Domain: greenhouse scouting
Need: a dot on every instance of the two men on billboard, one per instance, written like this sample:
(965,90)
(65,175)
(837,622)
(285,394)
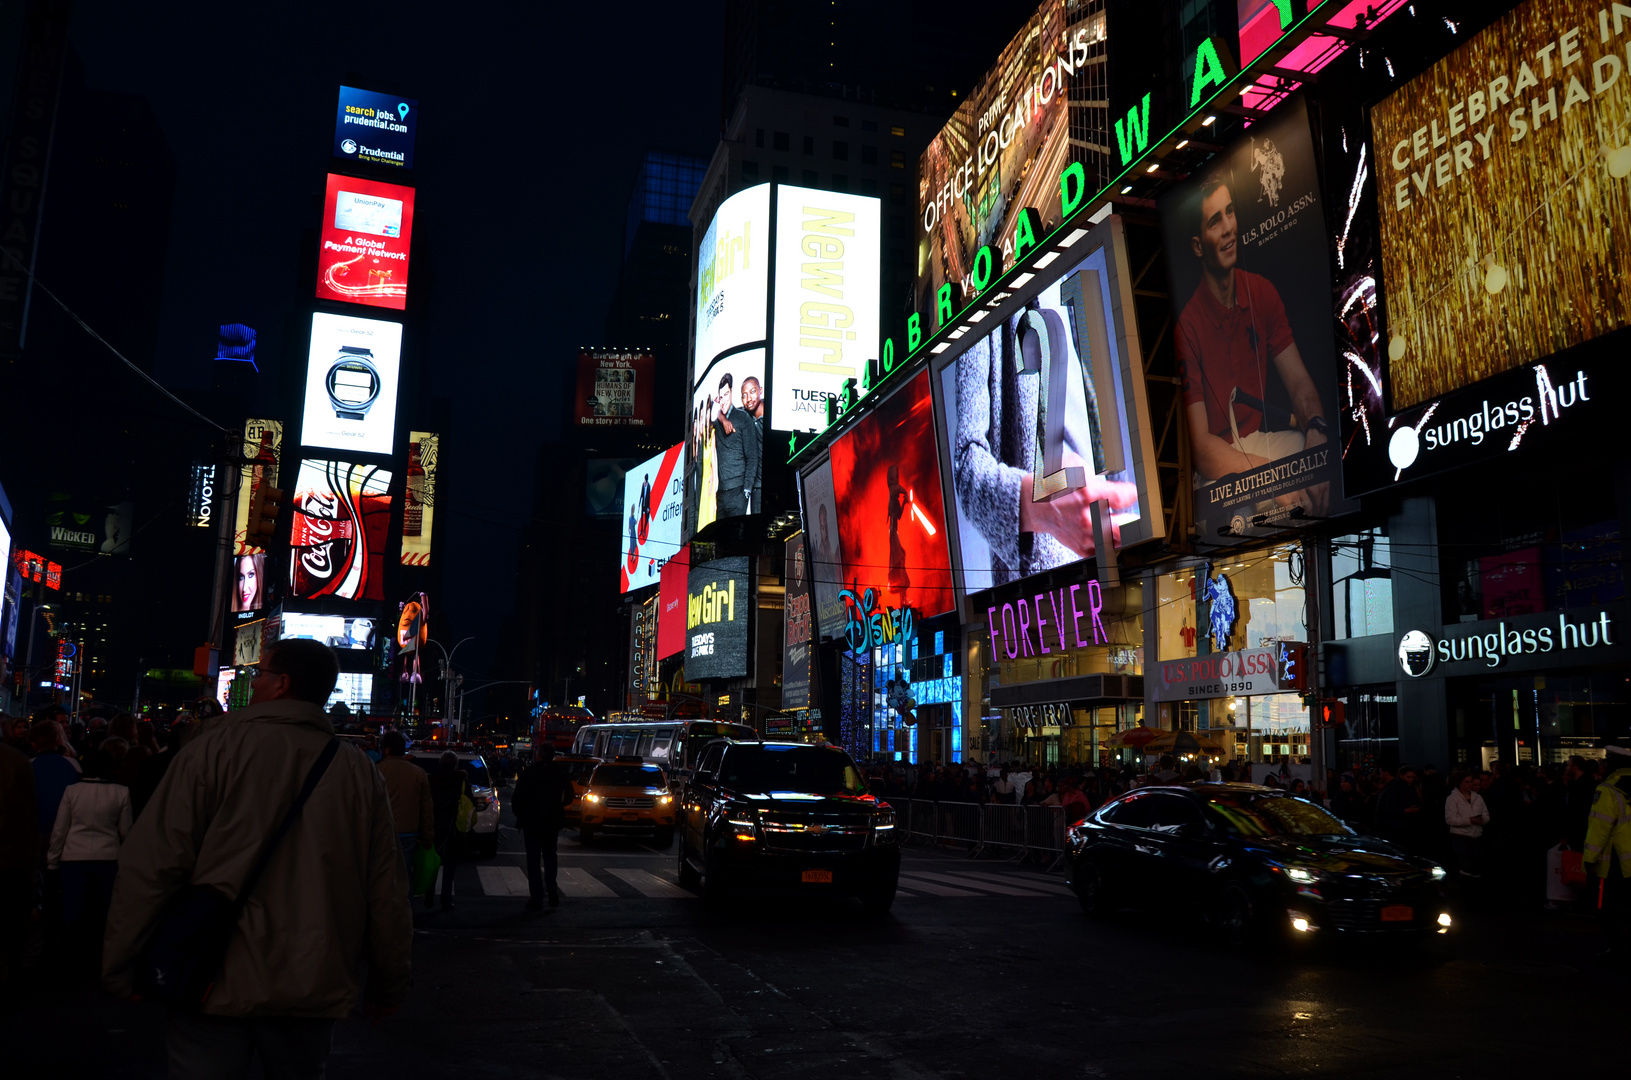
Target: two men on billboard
(727,438)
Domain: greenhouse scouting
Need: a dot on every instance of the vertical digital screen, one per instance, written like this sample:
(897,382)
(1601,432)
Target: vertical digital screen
(798,628)
(354,690)
(725,449)
(829,258)
(362,249)
(419,497)
(263,444)
(733,277)
(671,605)
(652,497)
(616,388)
(352,370)
(374,128)
(716,619)
(337,536)
(892,521)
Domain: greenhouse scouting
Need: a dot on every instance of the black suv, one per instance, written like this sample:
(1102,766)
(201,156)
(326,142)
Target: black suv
(786,816)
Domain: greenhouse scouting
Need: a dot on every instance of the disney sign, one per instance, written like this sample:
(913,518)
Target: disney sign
(867,623)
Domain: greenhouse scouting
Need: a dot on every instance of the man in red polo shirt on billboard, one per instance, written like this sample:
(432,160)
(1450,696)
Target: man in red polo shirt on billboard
(1233,328)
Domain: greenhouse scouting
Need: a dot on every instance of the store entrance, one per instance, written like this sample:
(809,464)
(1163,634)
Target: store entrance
(1537,719)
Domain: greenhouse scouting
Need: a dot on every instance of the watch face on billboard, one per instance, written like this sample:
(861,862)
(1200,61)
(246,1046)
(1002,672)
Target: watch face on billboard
(652,506)
(716,619)
(362,251)
(351,384)
(616,388)
(337,631)
(1249,261)
(1042,419)
(829,252)
(733,275)
(375,128)
(337,539)
(725,441)
(892,521)
(671,605)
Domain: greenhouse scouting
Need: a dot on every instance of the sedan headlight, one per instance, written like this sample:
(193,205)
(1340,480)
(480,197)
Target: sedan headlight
(1438,873)
(1302,875)
(589,796)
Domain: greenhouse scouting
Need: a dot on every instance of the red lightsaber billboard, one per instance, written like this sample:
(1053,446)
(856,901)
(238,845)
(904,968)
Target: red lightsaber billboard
(362,255)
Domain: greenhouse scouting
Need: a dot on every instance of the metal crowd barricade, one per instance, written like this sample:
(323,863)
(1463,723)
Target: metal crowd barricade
(1004,829)
(958,824)
(921,820)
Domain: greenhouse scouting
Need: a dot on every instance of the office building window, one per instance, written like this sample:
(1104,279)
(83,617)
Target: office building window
(869,125)
(898,132)
(897,194)
(779,172)
(750,170)
(869,155)
(840,121)
(759,137)
(809,144)
(840,151)
(867,186)
(811,178)
(840,182)
(897,159)
(779,140)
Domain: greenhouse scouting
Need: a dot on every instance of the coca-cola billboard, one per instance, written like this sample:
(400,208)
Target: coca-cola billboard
(337,539)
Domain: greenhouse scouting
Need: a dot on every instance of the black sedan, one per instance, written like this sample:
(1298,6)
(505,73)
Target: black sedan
(1250,860)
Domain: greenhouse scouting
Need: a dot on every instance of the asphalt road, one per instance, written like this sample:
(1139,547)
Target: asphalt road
(984,970)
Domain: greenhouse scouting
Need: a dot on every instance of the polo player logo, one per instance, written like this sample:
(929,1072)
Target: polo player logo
(1220,595)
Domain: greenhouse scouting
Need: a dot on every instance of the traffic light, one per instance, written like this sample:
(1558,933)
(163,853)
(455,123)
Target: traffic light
(264,506)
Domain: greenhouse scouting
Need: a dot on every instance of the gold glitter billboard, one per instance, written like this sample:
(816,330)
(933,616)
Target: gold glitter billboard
(1504,184)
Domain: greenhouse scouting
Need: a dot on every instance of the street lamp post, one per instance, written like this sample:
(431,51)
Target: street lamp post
(447,675)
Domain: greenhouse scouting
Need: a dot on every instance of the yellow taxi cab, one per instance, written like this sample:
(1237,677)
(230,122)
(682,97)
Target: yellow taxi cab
(577,768)
(629,797)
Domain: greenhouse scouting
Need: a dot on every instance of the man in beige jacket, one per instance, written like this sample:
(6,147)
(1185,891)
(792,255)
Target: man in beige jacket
(331,909)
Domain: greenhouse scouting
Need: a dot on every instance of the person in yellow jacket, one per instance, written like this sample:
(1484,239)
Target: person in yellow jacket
(1607,856)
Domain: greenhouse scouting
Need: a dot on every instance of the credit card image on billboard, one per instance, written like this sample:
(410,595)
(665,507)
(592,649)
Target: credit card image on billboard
(352,371)
(1027,411)
(892,522)
(652,504)
(725,444)
(826,552)
(1248,256)
(362,254)
(337,537)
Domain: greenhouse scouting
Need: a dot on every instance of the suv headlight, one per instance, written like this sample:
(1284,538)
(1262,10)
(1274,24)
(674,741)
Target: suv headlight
(1438,873)
(884,822)
(1302,875)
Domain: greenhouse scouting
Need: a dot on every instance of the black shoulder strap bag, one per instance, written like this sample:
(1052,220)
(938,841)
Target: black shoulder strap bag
(179,965)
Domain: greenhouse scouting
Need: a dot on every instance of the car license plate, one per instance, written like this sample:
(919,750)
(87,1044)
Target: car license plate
(818,877)
(631,817)
(1398,913)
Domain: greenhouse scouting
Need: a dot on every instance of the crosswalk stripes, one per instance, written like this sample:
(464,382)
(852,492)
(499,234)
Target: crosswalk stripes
(650,884)
(622,883)
(502,880)
(579,883)
(1029,882)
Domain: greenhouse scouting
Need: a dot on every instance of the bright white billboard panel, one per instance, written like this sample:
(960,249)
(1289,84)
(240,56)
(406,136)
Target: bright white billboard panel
(351,384)
(733,276)
(653,508)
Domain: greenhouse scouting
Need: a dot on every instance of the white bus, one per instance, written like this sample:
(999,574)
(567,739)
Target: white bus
(671,744)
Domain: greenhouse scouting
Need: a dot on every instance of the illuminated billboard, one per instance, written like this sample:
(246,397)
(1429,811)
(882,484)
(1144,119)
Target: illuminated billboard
(829,257)
(1002,151)
(1043,418)
(362,250)
(1502,199)
(798,629)
(263,444)
(716,619)
(419,497)
(616,388)
(89,527)
(201,497)
(652,505)
(603,486)
(1248,257)
(338,631)
(374,128)
(249,591)
(337,537)
(352,371)
(671,605)
(725,450)
(891,515)
(820,511)
(733,276)
(354,690)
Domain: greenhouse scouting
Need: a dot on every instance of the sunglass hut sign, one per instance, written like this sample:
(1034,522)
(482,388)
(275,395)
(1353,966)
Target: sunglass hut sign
(1535,639)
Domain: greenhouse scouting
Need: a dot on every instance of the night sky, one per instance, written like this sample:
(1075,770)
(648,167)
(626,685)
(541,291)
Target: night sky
(534,117)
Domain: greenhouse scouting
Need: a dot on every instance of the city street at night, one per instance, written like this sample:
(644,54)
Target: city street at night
(740,540)
(982,968)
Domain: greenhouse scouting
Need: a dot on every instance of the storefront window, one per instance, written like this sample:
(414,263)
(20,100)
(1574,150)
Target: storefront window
(1362,584)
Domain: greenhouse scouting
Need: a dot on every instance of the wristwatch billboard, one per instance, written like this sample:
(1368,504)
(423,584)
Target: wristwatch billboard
(353,383)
